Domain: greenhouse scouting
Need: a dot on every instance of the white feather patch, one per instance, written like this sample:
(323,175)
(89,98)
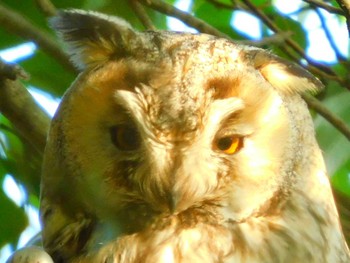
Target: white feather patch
(218,111)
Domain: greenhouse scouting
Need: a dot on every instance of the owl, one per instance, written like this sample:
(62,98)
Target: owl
(176,147)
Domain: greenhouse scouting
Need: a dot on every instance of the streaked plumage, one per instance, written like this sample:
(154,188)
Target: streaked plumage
(174,147)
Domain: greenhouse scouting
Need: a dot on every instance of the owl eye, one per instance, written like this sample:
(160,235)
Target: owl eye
(229,144)
(125,137)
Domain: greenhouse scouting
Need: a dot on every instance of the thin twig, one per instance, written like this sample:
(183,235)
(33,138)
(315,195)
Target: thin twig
(191,21)
(314,66)
(142,15)
(188,19)
(15,23)
(325,6)
(275,39)
(223,5)
(345,5)
(46,7)
(18,105)
(338,123)
(267,21)
(329,36)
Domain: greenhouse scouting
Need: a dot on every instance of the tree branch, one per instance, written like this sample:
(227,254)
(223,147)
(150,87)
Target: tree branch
(267,21)
(142,15)
(16,103)
(218,4)
(46,7)
(188,19)
(329,36)
(15,23)
(12,71)
(275,39)
(345,5)
(206,28)
(325,6)
(338,123)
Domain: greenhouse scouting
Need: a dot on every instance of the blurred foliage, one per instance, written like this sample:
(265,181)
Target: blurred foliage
(18,159)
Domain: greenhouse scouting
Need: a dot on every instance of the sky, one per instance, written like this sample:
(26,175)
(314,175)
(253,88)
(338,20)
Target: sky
(318,49)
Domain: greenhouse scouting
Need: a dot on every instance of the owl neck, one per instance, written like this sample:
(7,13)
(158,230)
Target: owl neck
(203,235)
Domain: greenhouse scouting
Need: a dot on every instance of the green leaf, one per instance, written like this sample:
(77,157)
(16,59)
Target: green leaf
(26,9)
(221,20)
(47,73)
(8,40)
(334,145)
(341,179)
(12,220)
(30,11)
(170,2)
(94,5)
(267,7)
(20,159)
(60,4)
(34,200)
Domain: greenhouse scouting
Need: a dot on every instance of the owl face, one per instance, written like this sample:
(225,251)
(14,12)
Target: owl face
(163,125)
(175,121)
(177,130)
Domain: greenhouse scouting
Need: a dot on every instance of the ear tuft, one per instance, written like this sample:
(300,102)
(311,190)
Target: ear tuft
(93,38)
(284,75)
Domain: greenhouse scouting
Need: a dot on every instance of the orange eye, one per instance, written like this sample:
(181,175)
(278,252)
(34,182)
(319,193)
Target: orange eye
(125,137)
(230,144)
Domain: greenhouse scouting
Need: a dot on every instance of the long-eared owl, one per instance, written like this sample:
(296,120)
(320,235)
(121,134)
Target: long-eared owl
(177,147)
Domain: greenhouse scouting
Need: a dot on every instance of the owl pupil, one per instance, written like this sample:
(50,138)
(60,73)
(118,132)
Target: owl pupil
(229,144)
(224,143)
(125,137)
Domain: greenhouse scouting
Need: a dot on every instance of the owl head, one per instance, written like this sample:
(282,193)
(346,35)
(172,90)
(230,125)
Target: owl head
(161,123)
(173,120)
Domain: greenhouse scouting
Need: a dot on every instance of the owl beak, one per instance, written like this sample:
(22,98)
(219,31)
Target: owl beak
(172,188)
(173,202)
